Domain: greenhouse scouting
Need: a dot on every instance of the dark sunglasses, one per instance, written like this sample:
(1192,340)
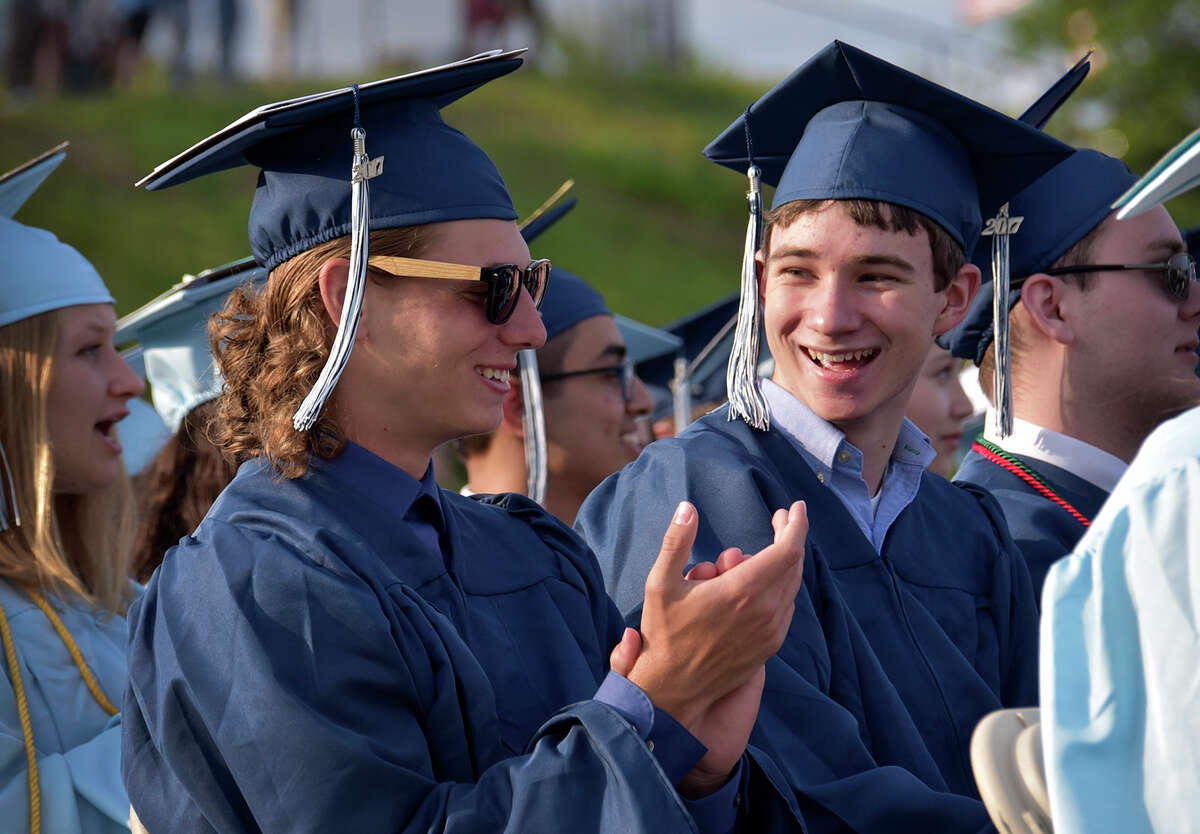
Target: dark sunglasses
(624,370)
(1180,271)
(504,281)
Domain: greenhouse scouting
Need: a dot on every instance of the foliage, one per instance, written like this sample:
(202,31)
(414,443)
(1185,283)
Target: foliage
(1142,96)
(658,228)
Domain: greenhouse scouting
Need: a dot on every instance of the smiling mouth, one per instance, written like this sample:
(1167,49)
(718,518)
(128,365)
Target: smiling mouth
(848,361)
(496,374)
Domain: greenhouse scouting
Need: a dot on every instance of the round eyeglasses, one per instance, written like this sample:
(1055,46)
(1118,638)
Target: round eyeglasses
(623,370)
(1179,269)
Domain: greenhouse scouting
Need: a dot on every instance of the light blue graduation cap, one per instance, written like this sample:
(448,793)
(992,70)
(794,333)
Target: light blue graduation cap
(318,181)
(1176,173)
(171,336)
(40,274)
(847,125)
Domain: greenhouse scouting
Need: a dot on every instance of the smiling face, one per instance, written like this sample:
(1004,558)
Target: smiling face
(428,366)
(850,313)
(1134,348)
(88,390)
(939,406)
(590,429)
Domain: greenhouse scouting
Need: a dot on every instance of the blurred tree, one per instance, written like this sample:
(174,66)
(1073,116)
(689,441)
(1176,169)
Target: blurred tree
(1142,96)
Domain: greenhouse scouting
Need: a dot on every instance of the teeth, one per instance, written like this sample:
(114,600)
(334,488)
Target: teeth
(829,359)
(494,373)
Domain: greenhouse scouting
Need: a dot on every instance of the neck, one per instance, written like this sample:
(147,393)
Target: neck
(563,503)
(501,468)
(408,452)
(1108,422)
(876,438)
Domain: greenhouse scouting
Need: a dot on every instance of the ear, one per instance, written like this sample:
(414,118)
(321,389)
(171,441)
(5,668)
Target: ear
(1049,304)
(333,280)
(956,297)
(513,411)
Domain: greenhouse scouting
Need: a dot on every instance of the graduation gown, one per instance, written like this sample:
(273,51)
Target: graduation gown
(302,663)
(1043,530)
(891,659)
(78,743)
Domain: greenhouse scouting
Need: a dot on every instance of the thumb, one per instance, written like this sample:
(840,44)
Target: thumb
(676,547)
(625,653)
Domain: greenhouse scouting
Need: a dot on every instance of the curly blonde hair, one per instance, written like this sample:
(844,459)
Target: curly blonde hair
(66,544)
(271,345)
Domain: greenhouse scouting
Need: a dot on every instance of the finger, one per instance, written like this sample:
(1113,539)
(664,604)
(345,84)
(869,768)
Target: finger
(779,520)
(626,652)
(702,571)
(783,561)
(667,570)
(730,558)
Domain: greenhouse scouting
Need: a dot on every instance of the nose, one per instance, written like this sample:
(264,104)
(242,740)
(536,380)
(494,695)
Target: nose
(641,401)
(832,307)
(524,330)
(960,403)
(124,384)
(1189,308)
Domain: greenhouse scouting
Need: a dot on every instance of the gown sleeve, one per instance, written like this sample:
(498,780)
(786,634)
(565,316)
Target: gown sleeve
(275,692)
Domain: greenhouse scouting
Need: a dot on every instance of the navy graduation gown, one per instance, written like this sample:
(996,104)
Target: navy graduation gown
(892,658)
(1043,530)
(302,663)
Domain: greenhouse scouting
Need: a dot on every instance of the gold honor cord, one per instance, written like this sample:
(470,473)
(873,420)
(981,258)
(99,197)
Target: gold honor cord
(10,655)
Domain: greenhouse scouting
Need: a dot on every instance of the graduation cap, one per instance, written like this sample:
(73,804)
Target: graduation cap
(318,182)
(1177,172)
(171,333)
(847,125)
(40,274)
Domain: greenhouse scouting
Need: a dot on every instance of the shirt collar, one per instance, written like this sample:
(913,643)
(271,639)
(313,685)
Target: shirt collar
(1084,460)
(822,440)
(371,475)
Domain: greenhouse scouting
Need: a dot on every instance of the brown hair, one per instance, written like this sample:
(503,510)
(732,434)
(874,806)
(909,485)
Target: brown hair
(76,544)
(1079,253)
(180,484)
(271,345)
(948,256)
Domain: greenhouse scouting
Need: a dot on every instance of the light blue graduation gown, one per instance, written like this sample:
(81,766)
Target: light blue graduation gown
(78,744)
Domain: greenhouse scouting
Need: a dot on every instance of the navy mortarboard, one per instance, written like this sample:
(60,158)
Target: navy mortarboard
(40,274)
(319,182)
(847,125)
(171,333)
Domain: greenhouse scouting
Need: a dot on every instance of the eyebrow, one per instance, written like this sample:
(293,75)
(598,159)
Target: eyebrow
(863,260)
(615,349)
(1166,244)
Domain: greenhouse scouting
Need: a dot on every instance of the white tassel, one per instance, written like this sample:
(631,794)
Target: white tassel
(8,496)
(741,376)
(534,420)
(1002,374)
(362,170)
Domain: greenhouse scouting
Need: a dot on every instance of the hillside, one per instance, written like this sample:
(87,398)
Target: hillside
(658,228)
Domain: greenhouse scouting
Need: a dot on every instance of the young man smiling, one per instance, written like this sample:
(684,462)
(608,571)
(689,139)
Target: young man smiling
(1101,352)
(919,616)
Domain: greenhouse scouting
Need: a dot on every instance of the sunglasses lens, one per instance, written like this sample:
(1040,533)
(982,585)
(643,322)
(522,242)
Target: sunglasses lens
(537,278)
(1181,272)
(627,374)
(503,285)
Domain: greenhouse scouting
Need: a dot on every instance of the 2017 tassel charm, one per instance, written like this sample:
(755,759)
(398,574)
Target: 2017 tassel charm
(741,376)
(1001,289)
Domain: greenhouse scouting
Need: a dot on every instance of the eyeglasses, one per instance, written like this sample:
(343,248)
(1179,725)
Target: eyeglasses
(504,281)
(624,370)
(1180,269)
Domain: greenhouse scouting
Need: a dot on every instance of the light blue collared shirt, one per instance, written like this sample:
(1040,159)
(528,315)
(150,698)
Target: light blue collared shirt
(838,464)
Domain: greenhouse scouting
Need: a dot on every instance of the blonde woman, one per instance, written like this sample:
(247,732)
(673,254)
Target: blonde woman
(65,531)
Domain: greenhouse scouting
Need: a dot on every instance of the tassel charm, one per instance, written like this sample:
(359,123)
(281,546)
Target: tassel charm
(533,418)
(1002,376)
(362,169)
(741,376)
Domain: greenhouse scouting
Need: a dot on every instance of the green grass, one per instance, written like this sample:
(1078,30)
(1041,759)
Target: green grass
(658,228)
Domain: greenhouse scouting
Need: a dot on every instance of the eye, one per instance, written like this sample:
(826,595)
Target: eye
(877,278)
(90,351)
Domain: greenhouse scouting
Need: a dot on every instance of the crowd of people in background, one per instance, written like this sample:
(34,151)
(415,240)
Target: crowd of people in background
(782,615)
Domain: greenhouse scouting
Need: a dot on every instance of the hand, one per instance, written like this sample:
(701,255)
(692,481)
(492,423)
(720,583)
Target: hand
(706,636)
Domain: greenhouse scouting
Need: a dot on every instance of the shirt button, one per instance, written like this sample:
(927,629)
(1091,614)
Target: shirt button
(821,477)
(650,745)
(843,456)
